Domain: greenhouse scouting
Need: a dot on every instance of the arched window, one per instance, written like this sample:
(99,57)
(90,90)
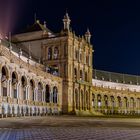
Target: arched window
(56,53)
(55,92)
(47,97)
(75,73)
(50,54)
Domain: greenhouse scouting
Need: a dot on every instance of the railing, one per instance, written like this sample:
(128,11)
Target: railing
(116,77)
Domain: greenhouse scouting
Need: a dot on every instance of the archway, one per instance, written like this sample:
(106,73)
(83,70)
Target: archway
(14,85)
(32,92)
(93,100)
(47,95)
(40,91)
(23,88)
(4,80)
(106,101)
(99,100)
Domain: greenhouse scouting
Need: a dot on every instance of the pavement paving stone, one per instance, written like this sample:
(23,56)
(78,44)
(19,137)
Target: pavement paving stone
(51,133)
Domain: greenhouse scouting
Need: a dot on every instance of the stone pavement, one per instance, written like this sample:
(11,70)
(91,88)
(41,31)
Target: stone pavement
(60,128)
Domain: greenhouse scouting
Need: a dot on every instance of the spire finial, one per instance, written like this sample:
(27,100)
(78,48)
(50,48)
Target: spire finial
(66,21)
(88,35)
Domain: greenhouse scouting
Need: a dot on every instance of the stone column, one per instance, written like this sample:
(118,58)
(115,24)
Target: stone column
(26,89)
(42,95)
(36,94)
(10,88)
(19,91)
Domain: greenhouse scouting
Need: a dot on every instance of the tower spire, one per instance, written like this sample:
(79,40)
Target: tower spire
(66,21)
(88,35)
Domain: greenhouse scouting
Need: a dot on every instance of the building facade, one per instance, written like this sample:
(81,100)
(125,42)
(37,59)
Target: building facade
(51,73)
(25,88)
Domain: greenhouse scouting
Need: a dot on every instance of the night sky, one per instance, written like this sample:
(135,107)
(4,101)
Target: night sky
(114,25)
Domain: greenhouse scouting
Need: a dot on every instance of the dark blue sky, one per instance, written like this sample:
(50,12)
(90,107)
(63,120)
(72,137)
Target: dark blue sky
(114,24)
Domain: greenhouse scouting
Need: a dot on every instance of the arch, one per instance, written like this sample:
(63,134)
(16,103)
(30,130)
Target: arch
(119,101)
(23,87)
(50,53)
(40,91)
(14,84)
(47,95)
(99,103)
(5,73)
(132,104)
(106,101)
(32,92)
(125,102)
(112,101)
(55,94)
(76,98)
(4,78)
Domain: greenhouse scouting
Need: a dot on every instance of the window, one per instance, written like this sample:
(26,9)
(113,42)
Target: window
(56,52)
(49,53)
(75,73)
(86,79)
(81,75)
(76,55)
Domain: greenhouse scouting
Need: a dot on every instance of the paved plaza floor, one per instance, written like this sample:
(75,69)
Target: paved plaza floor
(69,128)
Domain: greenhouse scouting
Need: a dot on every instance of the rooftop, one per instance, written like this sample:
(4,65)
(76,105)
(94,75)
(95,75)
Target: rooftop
(116,77)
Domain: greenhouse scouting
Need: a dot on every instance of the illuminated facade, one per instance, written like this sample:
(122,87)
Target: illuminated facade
(50,73)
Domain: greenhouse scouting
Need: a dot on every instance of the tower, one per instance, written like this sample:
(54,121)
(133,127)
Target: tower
(88,36)
(66,22)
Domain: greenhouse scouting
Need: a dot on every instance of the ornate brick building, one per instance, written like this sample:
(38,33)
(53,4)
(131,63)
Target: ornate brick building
(49,73)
